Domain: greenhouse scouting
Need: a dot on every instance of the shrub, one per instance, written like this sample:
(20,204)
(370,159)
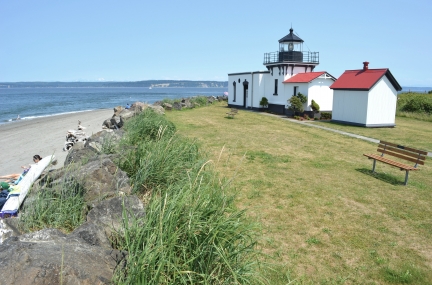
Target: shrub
(306,116)
(264,102)
(199,100)
(295,104)
(326,116)
(302,97)
(315,107)
(418,104)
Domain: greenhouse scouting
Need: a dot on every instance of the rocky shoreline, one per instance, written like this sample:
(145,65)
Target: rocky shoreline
(86,255)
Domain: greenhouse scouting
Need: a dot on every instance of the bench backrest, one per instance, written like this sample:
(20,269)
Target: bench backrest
(410,154)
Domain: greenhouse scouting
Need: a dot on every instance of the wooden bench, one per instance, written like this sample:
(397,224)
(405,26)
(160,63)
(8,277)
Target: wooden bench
(232,113)
(407,153)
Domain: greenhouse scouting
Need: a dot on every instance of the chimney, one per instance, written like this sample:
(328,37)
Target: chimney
(365,65)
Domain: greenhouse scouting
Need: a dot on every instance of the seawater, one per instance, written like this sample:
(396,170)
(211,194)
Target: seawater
(29,103)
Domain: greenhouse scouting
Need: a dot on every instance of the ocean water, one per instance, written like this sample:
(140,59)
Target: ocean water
(31,103)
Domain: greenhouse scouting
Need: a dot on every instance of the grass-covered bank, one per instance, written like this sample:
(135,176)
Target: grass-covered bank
(192,233)
(326,219)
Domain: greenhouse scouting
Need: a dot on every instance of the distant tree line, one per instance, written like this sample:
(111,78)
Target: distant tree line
(144,83)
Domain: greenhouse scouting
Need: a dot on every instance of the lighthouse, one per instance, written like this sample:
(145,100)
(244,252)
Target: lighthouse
(291,58)
(289,71)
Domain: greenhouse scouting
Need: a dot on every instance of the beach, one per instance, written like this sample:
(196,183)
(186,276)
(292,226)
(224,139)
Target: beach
(20,140)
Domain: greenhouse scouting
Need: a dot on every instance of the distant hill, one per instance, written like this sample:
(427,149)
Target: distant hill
(144,83)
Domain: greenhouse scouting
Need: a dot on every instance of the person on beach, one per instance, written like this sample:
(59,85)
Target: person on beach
(127,106)
(17,177)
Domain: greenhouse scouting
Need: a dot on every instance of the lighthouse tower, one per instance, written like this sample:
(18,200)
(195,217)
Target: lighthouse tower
(291,59)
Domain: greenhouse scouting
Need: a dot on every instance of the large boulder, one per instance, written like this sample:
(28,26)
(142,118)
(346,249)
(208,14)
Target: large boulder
(177,106)
(158,109)
(138,107)
(93,234)
(126,114)
(51,257)
(79,154)
(103,139)
(167,106)
(102,179)
(109,213)
(8,228)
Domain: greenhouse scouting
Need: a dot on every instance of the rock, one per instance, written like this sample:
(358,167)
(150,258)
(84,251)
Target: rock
(126,114)
(80,154)
(117,110)
(8,228)
(211,99)
(93,234)
(108,213)
(50,257)
(158,103)
(107,124)
(103,139)
(167,106)
(158,109)
(101,179)
(177,106)
(115,122)
(138,107)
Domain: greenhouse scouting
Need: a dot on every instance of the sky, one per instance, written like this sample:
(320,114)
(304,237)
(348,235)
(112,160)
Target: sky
(127,40)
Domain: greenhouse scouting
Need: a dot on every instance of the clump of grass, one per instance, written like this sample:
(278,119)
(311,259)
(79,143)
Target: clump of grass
(61,208)
(192,233)
(160,162)
(147,126)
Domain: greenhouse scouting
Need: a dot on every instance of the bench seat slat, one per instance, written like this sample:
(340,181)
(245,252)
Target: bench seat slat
(391,162)
(405,147)
(415,155)
(412,159)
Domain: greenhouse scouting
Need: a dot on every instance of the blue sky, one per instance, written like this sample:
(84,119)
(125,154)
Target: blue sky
(205,40)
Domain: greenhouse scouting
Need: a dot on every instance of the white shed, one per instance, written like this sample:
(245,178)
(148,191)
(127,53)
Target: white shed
(365,97)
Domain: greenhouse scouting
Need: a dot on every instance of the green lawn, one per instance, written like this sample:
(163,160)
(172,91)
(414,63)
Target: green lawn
(325,218)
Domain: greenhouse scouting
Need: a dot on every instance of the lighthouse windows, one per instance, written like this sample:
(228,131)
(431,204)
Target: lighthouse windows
(275,93)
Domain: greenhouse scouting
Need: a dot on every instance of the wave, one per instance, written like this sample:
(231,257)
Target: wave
(44,116)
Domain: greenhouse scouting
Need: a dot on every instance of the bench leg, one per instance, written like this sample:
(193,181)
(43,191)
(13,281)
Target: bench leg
(373,167)
(406,177)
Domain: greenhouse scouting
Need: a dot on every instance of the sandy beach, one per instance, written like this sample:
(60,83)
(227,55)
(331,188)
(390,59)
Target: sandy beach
(20,140)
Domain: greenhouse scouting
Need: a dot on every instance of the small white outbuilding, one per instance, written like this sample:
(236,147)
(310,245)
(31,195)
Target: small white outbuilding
(365,97)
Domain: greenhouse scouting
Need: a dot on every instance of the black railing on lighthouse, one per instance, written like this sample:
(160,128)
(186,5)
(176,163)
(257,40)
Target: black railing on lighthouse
(291,56)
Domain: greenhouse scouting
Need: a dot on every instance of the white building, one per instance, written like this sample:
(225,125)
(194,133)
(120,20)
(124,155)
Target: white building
(365,97)
(289,71)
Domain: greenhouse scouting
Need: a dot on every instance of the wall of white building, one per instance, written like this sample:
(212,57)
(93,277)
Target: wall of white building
(320,91)
(350,106)
(382,99)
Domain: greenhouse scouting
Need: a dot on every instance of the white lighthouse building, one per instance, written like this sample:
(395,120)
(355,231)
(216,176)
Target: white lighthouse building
(290,70)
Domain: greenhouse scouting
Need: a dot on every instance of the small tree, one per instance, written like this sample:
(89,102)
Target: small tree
(315,106)
(302,97)
(295,104)
(264,102)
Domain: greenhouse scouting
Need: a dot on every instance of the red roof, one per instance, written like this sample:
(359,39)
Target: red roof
(363,79)
(304,77)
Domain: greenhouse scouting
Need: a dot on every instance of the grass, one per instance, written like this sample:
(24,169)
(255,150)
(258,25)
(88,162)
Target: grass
(321,210)
(408,132)
(191,233)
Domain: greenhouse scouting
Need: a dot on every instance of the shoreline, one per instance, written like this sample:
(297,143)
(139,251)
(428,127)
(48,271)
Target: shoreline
(22,139)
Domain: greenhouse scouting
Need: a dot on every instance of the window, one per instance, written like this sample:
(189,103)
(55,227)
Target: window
(295,90)
(234,85)
(275,87)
